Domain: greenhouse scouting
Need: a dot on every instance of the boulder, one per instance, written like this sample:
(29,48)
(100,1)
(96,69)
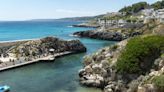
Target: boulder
(92,80)
(147,88)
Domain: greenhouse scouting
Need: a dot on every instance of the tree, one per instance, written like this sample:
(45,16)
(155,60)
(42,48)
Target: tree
(158,5)
(135,8)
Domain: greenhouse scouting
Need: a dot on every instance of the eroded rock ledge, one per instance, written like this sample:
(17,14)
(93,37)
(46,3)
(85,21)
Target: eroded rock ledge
(104,35)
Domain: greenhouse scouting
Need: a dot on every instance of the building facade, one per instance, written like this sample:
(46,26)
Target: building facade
(149,14)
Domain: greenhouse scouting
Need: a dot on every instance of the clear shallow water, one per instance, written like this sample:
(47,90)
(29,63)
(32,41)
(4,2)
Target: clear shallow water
(58,76)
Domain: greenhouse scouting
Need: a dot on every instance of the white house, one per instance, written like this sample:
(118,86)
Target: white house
(122,22)
(160,15)
(148,14)
(112,23)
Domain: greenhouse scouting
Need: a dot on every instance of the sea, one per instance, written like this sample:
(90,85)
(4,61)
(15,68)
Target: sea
(61,75)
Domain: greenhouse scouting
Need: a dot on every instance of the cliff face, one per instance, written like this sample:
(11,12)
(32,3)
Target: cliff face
(100,70)
(46,46)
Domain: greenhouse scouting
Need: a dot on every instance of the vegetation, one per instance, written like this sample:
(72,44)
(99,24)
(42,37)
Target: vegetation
(131,19)
(114,47)
(129,10)
(135,8)
(158,5)
(116,17)
(87,60)
(139,54)
(159,82)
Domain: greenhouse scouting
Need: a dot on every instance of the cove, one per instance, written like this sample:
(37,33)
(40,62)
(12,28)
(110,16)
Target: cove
(61,75)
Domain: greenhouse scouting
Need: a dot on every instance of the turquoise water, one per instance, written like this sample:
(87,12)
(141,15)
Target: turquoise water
(58,76)
(34,29)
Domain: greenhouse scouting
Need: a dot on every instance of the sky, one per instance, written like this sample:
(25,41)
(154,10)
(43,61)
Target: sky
(52,9)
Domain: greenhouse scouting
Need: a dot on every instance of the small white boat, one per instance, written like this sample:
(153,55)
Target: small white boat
(4,88)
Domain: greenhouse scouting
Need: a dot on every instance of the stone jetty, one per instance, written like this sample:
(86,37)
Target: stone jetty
(19,53)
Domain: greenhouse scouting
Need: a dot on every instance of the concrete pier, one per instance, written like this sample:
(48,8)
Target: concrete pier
(10,65)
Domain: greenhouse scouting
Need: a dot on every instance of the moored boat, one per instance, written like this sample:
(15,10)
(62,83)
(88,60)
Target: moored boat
(4,88)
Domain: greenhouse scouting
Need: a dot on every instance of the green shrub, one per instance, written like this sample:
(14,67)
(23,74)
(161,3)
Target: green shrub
(87,60)
(162,55)
(114,47)
(158,5)
(139,54)
(135,8)
(159,83)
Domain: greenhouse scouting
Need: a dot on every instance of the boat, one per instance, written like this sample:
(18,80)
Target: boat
(4,88)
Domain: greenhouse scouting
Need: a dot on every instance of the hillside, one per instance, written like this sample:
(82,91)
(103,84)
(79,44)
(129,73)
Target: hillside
(136,63)
(83,19)
(137,7)
(127,65)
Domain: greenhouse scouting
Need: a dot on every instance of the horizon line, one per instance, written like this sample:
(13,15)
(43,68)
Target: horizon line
(35,19)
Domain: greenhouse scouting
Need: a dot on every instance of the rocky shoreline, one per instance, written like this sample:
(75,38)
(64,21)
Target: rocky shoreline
(104,35)
(86,25)
(19,53)
(97,69)
(100,71)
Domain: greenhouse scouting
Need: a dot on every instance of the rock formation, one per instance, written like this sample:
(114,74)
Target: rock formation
(100,71)
(104,35)
(46,45)
(32,49)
